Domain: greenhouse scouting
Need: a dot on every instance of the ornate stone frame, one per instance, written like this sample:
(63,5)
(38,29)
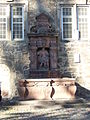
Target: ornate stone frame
(43,35)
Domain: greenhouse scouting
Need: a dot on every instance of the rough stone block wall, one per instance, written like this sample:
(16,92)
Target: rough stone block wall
(15,55)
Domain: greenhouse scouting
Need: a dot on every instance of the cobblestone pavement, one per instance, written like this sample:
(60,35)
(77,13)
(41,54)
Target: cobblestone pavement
(45,110)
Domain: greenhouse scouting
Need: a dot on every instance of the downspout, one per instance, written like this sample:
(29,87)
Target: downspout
(86,2)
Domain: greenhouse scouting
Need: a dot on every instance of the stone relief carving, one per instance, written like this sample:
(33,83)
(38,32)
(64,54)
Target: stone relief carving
(42,25)
(43,48)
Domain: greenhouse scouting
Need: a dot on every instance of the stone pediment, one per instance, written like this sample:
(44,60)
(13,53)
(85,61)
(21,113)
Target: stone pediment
(42,25)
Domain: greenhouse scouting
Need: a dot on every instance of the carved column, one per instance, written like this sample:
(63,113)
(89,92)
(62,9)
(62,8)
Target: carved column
(53,54)
(33,55)
(33,64)
(53,58)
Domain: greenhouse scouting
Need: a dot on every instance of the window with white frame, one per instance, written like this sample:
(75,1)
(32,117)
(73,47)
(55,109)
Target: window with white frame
(75,22)
(67,22)
(3,22)
(17,22)
(16,18)
(82,22)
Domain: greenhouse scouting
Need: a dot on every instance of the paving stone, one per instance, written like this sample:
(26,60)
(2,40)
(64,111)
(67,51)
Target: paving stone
(46,110)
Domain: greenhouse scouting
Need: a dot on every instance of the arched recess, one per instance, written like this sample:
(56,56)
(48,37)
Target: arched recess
(5,80)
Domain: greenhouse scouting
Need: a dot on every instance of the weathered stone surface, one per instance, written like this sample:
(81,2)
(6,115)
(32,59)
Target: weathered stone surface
(43,47)
(47,89)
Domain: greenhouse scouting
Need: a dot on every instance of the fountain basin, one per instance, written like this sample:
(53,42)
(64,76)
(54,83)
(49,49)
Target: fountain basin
(46,89)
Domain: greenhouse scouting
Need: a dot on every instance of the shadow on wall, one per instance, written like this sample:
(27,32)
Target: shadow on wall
(82,92)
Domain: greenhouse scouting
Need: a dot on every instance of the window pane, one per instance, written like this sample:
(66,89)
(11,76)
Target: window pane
(67,11)
(2,11)
(83,30)
(17,22)
(17,31)
(67,30)
(82,11)
(67,23)
(3,22)
(67,20)
(17,11)
(83,22)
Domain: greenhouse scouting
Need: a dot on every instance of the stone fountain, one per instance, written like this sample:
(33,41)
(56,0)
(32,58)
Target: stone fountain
(45,80)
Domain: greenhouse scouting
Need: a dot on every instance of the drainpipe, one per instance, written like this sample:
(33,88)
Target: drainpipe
(86,2)
(0,92)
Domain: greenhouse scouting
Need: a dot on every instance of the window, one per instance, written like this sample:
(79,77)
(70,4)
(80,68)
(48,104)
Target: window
(3,23)
(82,22)
(17,22)
(75,23)
(67,22)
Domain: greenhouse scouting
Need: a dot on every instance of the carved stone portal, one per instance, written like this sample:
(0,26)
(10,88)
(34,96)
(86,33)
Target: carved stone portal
(43,48)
